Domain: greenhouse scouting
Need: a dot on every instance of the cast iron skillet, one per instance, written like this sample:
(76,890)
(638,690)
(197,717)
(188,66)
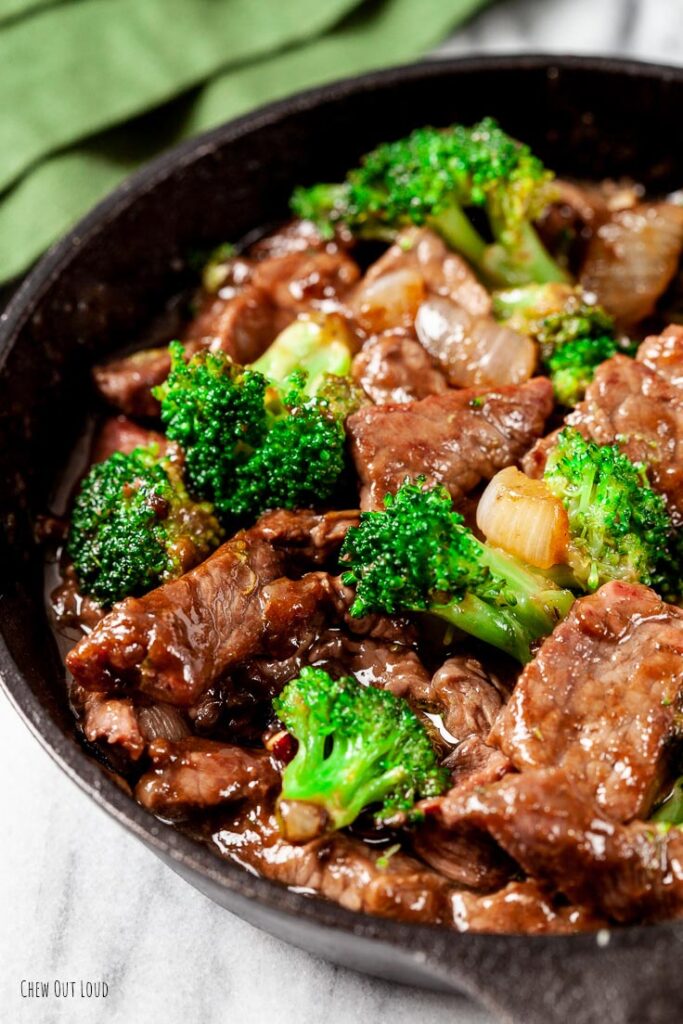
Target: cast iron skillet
(99,287)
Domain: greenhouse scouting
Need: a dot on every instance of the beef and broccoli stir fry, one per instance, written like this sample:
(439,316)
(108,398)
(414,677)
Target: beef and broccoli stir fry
(373,581)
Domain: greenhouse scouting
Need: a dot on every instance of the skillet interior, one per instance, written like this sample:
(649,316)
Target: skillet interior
(100,287)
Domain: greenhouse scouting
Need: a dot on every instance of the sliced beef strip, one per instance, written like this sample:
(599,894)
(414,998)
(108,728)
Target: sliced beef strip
(395,368)
(175,641)
(194,773)
(457,439)
(115,721)
(632,258)
(305,536)
(470,699)
(475,763)
(306,279)
(466,857)
(663,353)
(392,629)
(126,383)
(632,406)
(340,868)
(121,434)
(388,666)
(549,825)
(71,609)
(242,325)
(603,698)
(520,907)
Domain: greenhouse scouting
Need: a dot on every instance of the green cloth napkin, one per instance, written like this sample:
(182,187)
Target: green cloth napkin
(139,65)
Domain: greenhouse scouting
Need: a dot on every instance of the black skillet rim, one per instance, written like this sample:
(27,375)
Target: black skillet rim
(72,759)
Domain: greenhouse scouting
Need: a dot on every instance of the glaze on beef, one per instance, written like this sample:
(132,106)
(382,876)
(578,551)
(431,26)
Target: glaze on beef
(457,439)
(602,699)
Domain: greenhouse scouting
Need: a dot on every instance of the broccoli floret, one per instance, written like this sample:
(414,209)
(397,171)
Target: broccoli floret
(300,458)
(318,345)
(135,526)
(574,336)
(619,527)
(359,747)
(432,177)
(572,366)
(418,556)
(250,445)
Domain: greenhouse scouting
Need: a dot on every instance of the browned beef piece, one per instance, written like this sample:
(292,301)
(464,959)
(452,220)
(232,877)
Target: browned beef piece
(632,258)
(474,763)
(443,272)
(241,325)
(663,353)
(121,434)
(126,383)
(173,642)
(520,907)
(115,721)
(343,870)
(470,699)
(301,280)
(457,439)
(71,608)
(602,699)
(394,367)
(630,405)
(392,629)
(466,857)
(305,536)
(195,773)
(550,826)
(389,666)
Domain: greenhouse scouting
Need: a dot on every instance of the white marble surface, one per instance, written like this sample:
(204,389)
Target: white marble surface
(81,899)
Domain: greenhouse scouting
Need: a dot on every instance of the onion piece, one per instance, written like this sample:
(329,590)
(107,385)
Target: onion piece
(162,721)
(521,516)
(389,301)
(473,351)
(632,258)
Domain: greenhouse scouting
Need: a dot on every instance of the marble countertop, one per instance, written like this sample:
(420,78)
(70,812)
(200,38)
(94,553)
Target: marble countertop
(81,899)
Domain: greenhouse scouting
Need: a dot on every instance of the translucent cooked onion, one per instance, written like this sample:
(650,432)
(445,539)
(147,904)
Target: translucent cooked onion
(521,516)
(162,721)
(632,258)
(473,351)
(389,301)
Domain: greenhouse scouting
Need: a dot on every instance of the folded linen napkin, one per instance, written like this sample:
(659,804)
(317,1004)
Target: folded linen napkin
(92,88)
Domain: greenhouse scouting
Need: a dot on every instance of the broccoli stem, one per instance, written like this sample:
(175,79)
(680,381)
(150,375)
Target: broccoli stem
(531,262)
(670,811)
(534,614)
(317,345)
(495,626)
(456,229)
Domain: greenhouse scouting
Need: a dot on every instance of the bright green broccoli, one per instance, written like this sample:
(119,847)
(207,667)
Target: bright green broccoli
(251,445)
(619,527)
(134,526)
(359,748)
(574,336)
(433,177)
(418,556)
(318,345)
